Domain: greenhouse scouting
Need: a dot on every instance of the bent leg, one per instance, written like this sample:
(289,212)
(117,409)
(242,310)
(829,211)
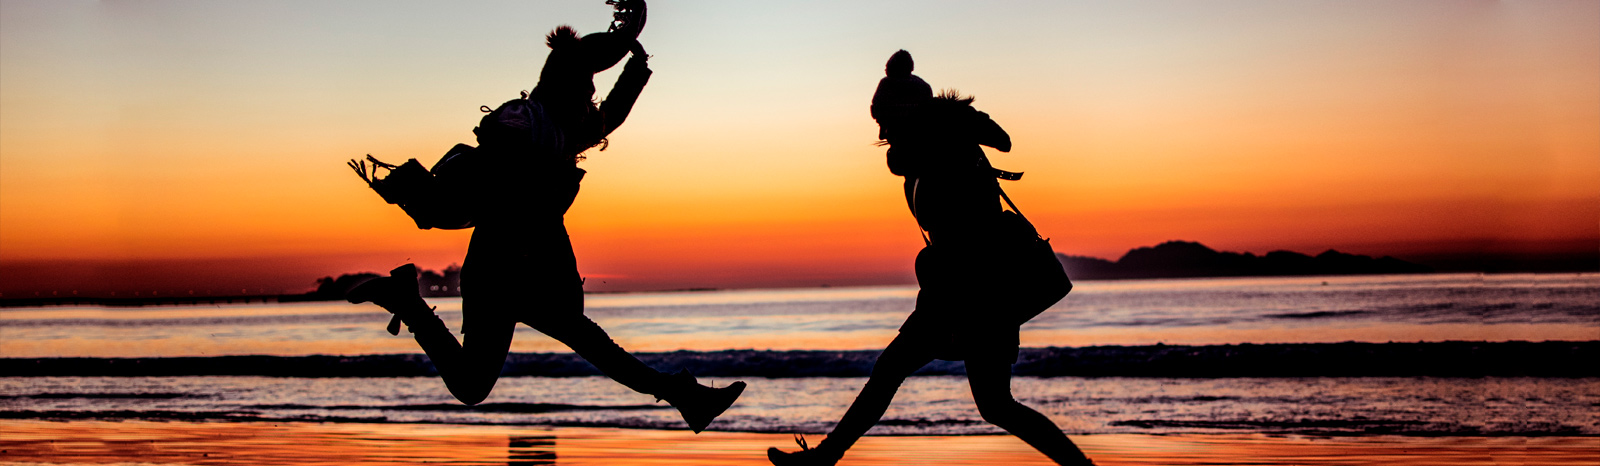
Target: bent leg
(469,370)
(901,358)
(991,389)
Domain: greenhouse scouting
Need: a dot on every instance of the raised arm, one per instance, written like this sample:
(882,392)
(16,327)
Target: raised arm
(619,102)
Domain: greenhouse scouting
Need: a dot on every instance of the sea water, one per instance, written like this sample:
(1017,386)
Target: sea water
(1129,312)
(924,405)
(1135,312)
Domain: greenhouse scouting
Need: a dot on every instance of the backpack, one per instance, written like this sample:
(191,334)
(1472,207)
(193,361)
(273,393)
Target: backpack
(511,124)
(443,196)
(436,198)
(520,126)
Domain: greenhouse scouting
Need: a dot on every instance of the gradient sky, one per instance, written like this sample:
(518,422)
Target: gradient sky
(169,131)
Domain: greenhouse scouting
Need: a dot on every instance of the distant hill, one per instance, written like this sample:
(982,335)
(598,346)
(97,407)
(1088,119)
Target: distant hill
(1178,259)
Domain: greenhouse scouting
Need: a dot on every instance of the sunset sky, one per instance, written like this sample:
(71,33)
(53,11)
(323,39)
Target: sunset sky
(206,140)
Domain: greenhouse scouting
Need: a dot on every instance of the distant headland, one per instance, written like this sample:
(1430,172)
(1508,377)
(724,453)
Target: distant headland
(1185,259)
(1172,259)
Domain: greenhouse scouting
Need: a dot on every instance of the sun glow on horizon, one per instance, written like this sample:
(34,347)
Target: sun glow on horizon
(217,131)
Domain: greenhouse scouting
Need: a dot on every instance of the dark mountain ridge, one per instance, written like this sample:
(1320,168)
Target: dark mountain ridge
(1183,259)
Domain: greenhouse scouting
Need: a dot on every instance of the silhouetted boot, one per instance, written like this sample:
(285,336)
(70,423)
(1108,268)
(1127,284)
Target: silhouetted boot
(807,456)
(398,294)
(698,403)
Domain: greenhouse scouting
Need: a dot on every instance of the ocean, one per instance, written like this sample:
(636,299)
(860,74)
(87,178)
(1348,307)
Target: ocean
(1300,355)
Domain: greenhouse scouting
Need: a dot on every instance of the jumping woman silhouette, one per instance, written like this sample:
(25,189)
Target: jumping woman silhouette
(520,266)
(951,190)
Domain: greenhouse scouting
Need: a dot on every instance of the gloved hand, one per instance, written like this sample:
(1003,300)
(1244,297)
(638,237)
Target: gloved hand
(639,60)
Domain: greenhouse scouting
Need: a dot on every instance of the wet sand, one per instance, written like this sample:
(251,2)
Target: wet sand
(262,443)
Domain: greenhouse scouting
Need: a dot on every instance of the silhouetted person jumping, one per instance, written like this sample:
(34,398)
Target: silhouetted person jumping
(951,190)
(520,266)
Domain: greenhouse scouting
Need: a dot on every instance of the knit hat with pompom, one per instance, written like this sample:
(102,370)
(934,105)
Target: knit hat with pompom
(899,92)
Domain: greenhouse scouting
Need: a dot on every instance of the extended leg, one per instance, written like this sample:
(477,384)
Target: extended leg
(897,362)
(901,358)
(991,389)
(698,403)
(593,344)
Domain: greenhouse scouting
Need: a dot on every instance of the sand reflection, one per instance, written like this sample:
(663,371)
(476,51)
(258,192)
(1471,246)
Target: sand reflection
(212,443)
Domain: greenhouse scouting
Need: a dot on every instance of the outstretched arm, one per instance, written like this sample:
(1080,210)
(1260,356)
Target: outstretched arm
(619,102)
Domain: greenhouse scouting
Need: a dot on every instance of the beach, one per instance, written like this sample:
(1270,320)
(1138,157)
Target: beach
(142,442)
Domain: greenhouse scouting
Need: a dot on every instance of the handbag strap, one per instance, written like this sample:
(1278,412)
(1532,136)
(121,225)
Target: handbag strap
(1013,205)
(1008,176)
(1001,174)
(925,240)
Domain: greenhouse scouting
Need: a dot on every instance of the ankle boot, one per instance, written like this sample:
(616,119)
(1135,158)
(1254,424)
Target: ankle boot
(397,293)
(699,404)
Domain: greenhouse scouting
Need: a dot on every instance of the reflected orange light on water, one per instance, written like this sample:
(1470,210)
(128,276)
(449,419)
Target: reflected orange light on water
(1397,332)
(94,442)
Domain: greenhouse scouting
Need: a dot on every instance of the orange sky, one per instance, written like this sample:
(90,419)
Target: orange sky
(162,131)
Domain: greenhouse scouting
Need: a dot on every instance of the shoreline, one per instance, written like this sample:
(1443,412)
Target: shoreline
(219,418)
(51,301)
(270,443)
(1557,359)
